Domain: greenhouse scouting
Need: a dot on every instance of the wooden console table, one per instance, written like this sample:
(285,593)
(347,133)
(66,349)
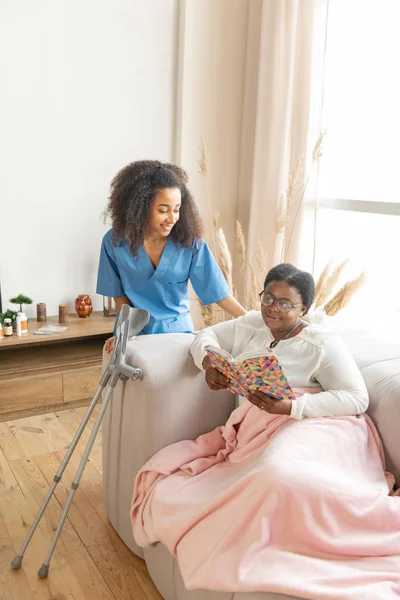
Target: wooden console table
(42,373)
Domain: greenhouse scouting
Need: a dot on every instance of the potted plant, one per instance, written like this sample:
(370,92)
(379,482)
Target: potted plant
(9,314)
(20,300)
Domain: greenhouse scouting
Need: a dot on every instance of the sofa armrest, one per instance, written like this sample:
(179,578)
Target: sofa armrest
(383,382)
(171,403)
(379,362)
(175,400)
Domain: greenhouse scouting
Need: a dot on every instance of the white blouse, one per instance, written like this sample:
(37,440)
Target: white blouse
(316,357)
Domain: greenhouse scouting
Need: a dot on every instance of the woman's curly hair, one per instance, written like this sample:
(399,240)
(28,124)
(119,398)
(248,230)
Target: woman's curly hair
(132,192)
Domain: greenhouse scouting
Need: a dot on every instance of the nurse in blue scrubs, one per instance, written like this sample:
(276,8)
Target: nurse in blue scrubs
(155,248)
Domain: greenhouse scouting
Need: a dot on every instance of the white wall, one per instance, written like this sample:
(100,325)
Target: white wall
(86,87)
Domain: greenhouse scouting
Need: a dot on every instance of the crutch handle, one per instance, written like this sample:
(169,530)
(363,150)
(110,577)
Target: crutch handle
(130,372)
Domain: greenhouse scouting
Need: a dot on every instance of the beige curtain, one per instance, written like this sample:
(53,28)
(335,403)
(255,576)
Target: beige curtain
(249,83)
(280,125)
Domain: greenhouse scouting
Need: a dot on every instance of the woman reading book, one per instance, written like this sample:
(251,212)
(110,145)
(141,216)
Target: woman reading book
(311,356)
(273,501)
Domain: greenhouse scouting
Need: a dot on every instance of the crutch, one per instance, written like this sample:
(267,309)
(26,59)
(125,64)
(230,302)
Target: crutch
(131,321)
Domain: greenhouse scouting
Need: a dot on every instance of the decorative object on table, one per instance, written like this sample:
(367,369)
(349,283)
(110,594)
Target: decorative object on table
(83,306)
(38,332)
(1,331)
(20,300)
(22,323)
(49,330)
(63,313)
(41,316)
(8,329)
(109,309)
(12,315)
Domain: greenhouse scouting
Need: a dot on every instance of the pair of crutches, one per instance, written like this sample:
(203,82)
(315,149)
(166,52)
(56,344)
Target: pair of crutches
(131,322)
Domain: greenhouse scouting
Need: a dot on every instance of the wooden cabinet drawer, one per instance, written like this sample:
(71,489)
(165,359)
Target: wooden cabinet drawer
(81,383)
(30,392)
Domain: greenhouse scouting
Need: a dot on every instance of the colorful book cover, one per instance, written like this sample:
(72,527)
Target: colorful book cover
(263,373)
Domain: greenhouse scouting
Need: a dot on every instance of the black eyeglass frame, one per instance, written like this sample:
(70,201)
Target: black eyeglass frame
(276,301)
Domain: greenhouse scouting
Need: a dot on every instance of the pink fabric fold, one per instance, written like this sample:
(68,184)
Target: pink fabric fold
(266,503)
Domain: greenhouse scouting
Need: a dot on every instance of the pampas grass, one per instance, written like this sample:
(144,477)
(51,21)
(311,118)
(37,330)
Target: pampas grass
(321,283)
(295,179)
(316,155)
(342,298)
(211,314)
(203,170)
(203,160)
(252,301)
(257,269)
(280,219)
(326,287)
(317,151)
(326,300)
(224,258)
(240,247)
(261,262)
(207,314)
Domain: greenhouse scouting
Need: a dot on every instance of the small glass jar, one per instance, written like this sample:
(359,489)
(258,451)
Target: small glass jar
(109,309)
(8,328)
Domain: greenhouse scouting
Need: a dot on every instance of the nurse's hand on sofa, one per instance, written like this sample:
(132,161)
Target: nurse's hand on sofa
(214,378)
(109,344)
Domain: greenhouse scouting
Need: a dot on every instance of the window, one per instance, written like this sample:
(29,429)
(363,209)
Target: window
(359,191)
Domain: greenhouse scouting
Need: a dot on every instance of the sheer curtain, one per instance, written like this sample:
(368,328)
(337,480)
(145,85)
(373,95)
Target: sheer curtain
(250,85)
(281,123)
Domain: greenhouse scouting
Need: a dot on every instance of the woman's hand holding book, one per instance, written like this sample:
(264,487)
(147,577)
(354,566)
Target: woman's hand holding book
(214,378)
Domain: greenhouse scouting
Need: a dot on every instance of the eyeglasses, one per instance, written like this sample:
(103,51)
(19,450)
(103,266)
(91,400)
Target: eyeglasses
(283,305)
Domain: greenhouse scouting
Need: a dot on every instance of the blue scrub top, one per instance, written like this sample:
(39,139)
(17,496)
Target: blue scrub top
(163,292)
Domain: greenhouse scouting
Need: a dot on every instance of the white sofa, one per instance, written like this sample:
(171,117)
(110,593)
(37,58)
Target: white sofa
(172,403)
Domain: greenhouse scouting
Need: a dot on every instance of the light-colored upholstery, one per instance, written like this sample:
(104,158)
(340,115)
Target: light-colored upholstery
(173,403)
(379,362)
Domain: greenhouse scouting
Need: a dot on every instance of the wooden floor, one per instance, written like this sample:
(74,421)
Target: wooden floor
(90,561)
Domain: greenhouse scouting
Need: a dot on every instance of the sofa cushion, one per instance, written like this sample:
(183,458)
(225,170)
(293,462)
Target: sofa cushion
(368,350)
(383,383)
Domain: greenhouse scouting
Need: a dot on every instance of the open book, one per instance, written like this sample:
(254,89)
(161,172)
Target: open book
(252,371)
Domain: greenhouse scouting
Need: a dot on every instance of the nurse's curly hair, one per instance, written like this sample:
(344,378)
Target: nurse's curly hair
(132,192)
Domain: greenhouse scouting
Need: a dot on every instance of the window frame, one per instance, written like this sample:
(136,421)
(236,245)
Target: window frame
(365,206)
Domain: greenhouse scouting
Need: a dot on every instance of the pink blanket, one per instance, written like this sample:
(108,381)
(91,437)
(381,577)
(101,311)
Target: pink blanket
(267,503)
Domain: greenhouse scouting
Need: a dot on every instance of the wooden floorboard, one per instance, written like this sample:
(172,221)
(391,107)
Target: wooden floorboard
(90,561)
(38,410)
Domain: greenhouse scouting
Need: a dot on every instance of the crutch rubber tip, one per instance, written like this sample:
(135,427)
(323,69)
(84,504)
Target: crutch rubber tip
(43,571)
(17,562)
